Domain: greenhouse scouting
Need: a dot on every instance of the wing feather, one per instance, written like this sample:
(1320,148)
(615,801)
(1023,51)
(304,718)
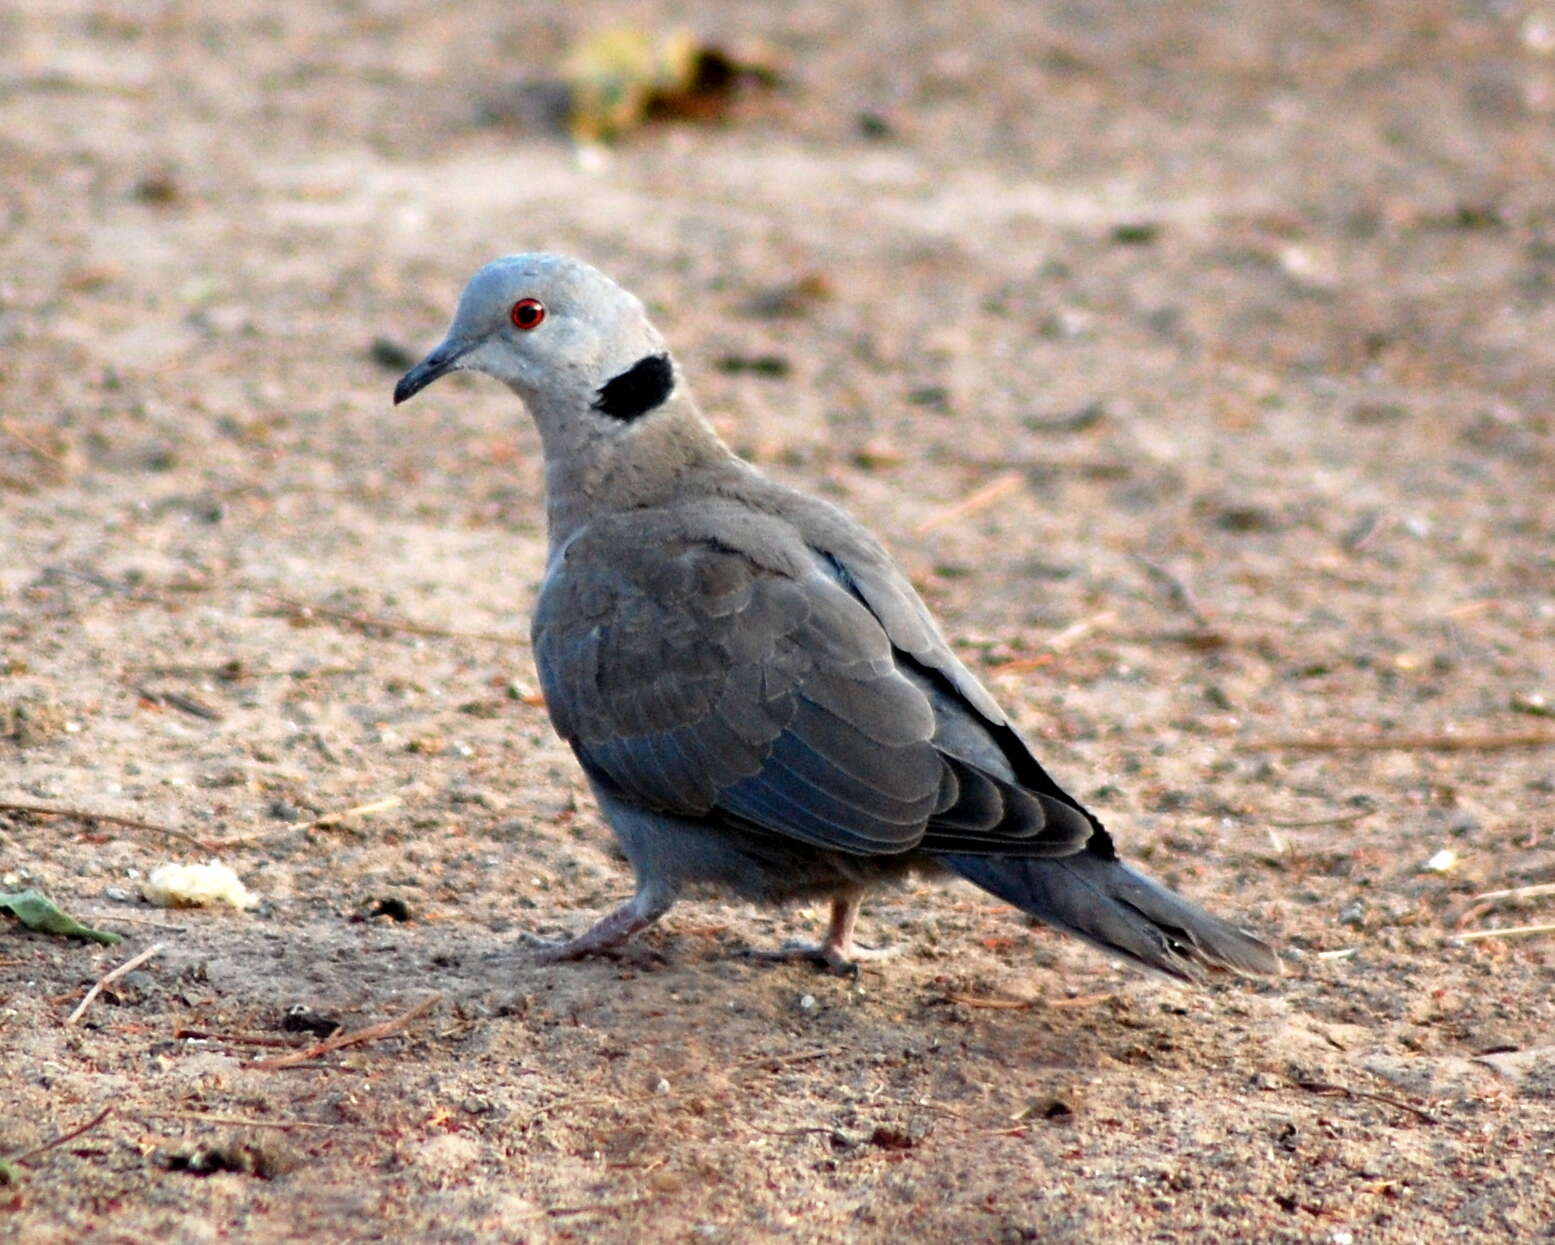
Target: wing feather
(702,680)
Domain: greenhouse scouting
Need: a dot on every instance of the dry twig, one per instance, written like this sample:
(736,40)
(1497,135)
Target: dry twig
(996,490)
(28,442)
(1339,819)
(1179,592)
(357,1037)
(1328,1090)
(1404,743)
(120,917)
(360,810)
(111,819)
(776,1061)
(374,622)
(233,670)
(63,1138)
(1077,631)
(238,1039)
(180,700)
(243,1122)
(1020,665)
(129,965)
(602,1208)
(324,822)
(1081,1000)
(1512,931)
(1020,1005)
(792,1132)
(1004,1005)
(1521,892)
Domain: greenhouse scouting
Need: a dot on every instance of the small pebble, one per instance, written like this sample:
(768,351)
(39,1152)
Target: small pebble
(1536,703)
(807,1002)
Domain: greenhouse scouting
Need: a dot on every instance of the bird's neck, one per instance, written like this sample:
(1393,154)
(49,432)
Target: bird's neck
(671,453)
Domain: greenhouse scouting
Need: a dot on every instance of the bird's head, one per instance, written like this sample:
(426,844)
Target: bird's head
(560,334)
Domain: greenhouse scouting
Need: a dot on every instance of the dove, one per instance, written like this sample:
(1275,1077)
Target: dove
(760,701)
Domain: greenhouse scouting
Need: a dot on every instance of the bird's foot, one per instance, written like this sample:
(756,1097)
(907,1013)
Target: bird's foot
(561,950)
(843,961)
(605,937)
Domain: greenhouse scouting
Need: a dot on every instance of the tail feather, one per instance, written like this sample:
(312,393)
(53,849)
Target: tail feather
(1120,911)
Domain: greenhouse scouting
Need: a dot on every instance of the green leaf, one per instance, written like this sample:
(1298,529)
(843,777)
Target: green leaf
(37,912)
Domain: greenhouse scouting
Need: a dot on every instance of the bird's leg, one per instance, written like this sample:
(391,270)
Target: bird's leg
(836,951)
(609,932)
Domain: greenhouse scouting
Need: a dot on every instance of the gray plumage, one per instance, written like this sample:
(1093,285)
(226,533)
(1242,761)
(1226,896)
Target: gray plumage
(760,700)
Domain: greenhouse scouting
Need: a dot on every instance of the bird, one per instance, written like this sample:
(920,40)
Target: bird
(761,702)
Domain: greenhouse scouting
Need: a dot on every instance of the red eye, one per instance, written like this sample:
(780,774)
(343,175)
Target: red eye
(527,313)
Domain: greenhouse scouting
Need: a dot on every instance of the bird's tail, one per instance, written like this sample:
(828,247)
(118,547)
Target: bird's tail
(1120,911)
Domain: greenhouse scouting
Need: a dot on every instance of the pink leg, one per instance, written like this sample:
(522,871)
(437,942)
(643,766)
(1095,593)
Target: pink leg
(606,934)
(836,951)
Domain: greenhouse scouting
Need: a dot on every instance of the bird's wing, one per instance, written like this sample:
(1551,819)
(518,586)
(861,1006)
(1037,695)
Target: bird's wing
(695,678)
(970,725)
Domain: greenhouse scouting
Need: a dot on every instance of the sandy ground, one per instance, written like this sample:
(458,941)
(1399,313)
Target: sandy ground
(1197,361)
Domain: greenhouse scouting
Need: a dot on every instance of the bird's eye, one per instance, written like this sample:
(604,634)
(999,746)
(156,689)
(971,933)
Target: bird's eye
(527,313)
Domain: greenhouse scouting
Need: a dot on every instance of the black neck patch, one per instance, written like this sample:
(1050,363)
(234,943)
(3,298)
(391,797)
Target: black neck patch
(638,390)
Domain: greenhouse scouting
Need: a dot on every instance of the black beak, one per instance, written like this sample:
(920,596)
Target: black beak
(442,360)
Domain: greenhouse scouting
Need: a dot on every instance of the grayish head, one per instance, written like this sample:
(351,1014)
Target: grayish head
(560,334)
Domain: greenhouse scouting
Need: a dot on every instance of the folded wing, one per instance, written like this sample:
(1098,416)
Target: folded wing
(694,680)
